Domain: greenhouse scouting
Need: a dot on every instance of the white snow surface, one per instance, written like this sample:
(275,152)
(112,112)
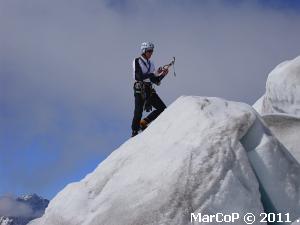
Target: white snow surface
(296,222)
(189,160)
(280,105)
(282,90)
(287,129)
(5,221)
(276,169)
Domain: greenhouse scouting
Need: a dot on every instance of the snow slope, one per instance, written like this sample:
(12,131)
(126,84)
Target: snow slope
(280,105)
(190,160)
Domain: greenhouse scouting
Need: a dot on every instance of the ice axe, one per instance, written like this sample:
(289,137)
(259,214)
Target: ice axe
(166,67)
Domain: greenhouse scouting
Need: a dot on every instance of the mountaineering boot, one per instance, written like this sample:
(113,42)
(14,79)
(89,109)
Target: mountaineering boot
(134,133)
(143,124)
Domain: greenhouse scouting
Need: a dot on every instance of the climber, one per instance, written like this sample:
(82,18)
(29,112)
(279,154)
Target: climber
(145,76)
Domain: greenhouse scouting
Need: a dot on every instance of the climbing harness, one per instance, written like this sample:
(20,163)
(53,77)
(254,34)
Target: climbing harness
(145,90)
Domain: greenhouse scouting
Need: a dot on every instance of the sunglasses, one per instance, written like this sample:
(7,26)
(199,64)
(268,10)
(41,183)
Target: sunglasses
(150,50)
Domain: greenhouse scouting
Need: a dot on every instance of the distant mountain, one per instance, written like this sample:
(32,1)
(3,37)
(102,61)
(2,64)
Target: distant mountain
(21,210)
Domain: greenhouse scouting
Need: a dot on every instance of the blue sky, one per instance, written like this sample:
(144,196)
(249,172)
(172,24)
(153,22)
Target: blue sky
(66,97)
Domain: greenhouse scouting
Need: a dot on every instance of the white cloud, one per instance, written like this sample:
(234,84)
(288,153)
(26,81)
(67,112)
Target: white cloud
(9,207)
(66,68)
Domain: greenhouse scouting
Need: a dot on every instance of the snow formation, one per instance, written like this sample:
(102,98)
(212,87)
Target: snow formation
(276,170)
(287,129)
(189,160)
(282,90)
(280,105)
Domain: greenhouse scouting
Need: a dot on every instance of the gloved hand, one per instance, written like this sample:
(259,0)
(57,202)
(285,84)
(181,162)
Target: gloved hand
(164,72)
(158,72)
(161,71)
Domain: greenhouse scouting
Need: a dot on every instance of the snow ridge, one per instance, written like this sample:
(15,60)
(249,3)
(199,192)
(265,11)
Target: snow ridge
(189,160)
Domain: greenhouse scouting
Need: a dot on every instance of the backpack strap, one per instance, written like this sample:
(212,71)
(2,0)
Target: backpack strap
(147,66)
(138,73)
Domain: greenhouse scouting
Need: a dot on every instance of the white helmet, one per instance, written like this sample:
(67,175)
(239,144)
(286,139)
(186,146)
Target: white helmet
(146,46)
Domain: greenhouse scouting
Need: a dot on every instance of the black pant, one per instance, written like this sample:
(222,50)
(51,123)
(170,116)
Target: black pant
(155,101)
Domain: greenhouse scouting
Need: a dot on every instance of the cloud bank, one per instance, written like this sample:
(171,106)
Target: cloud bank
(10,207)
(65,71)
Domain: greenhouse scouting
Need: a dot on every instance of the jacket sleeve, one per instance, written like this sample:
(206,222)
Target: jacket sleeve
(156,80)
(139,75)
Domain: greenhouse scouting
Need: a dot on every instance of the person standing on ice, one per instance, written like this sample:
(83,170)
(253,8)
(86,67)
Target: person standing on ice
(145,76)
